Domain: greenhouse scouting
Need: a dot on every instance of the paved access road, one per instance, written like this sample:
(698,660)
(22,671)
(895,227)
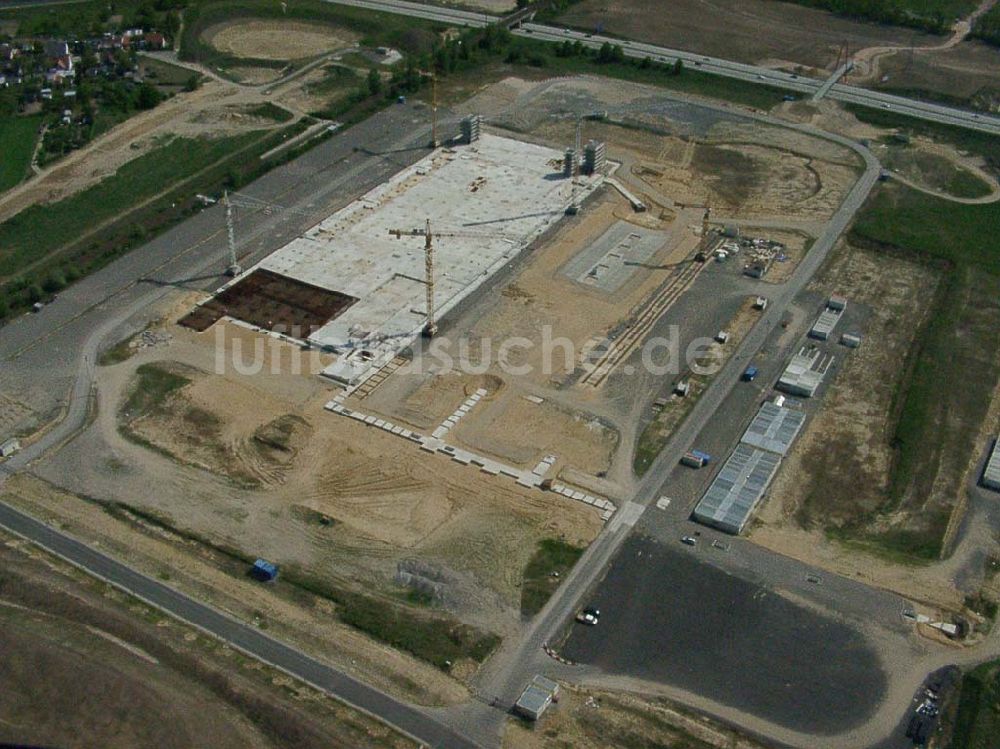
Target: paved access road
(507,678)
(72,331)
(241,636)
(714,65)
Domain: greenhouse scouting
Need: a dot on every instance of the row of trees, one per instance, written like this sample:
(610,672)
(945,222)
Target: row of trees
(93,19)
(893,12)
(987,27)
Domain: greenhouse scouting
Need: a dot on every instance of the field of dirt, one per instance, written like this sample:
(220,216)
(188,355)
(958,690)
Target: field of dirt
(970,70)
(256,463)
(84,666)
(499,430)
(270,40)
(795,243)
(838,471)
(586,718)
(741,173)
(752,31)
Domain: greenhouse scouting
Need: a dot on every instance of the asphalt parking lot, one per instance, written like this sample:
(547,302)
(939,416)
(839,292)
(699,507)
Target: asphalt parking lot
(741,644)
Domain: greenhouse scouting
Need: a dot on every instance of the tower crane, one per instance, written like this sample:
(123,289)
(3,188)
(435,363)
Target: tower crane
(430,327)
(239,200)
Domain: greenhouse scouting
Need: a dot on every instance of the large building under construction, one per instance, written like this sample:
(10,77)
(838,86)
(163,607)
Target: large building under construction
(485,203)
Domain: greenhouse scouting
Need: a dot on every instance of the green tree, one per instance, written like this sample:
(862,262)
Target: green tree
(374,82)
(149,96)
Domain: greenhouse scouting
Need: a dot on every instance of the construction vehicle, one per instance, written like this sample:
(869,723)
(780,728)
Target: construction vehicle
(696,459)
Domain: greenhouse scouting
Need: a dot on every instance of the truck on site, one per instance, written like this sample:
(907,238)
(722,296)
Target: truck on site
(264,571)
(696,459)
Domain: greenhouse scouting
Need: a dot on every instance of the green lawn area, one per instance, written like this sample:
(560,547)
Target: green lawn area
(41,230)
(987,26)
(18,135)
(935,16)
(435,638)
(61,19)
(936,424)
(376,29)
(152,387)
(977,722)
(551,556)
(45,247)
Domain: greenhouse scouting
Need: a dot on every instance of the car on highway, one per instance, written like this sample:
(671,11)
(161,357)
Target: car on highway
(885,105)
(589,616)
(689,540)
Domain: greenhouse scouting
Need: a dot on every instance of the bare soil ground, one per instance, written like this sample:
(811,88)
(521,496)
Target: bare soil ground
(500,428)
(753,31)
(838,471)
(270,40)
(796,244)
(254,463)
(741,173)
(587,718)
(86,666)
(970,70)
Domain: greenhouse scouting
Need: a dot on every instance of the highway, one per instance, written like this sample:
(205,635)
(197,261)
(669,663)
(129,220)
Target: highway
(716,66)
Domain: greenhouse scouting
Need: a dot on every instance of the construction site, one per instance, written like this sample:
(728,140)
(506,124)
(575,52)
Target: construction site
(409,398)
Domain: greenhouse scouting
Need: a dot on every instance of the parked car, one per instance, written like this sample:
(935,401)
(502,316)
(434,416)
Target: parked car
(589,616)
(689,540)
(749,374)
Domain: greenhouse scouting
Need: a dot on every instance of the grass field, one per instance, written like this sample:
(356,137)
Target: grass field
(936,425)
(929,15)
(153,386)
(18,135)
(64,19)
(45,247)
(40,230)
(83,660)
(987,26)
(376,29)
(688,82)
(977,723)
(551,562)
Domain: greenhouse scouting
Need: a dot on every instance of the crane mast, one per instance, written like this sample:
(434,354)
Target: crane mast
(234,268)
(430,329)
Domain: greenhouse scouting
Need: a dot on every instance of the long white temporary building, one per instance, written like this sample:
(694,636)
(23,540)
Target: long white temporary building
(991,472)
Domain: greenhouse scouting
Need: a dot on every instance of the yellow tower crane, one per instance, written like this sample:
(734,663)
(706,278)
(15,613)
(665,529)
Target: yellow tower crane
(430,327)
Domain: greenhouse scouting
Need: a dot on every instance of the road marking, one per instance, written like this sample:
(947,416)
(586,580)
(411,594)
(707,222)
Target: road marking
(627,515)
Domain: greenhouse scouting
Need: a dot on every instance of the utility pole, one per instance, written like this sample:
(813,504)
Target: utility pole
(434,111)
